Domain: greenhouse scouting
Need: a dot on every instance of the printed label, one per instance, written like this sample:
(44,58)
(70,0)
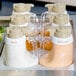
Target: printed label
(19,25)
(62,41)
(16,41)
(68,24)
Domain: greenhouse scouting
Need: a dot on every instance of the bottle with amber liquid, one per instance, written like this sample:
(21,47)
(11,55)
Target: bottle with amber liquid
(47,30)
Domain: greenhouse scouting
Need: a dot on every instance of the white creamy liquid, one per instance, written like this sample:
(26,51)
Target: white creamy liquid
(16,54)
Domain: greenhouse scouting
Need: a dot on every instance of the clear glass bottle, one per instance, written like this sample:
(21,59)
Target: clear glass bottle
(49,23)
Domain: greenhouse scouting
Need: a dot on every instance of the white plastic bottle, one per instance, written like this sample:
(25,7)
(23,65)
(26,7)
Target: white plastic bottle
(16,54)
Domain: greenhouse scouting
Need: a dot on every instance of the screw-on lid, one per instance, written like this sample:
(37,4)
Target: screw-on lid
(22,7)
(57,8)
(61,19)
(63,32)
(14,32)
(22,19)
(18,19)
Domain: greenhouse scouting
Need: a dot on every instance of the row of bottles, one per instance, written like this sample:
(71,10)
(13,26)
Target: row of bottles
(30,40)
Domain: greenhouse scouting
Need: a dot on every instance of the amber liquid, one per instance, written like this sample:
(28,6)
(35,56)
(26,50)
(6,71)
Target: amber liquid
(30,46)
(47,44)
